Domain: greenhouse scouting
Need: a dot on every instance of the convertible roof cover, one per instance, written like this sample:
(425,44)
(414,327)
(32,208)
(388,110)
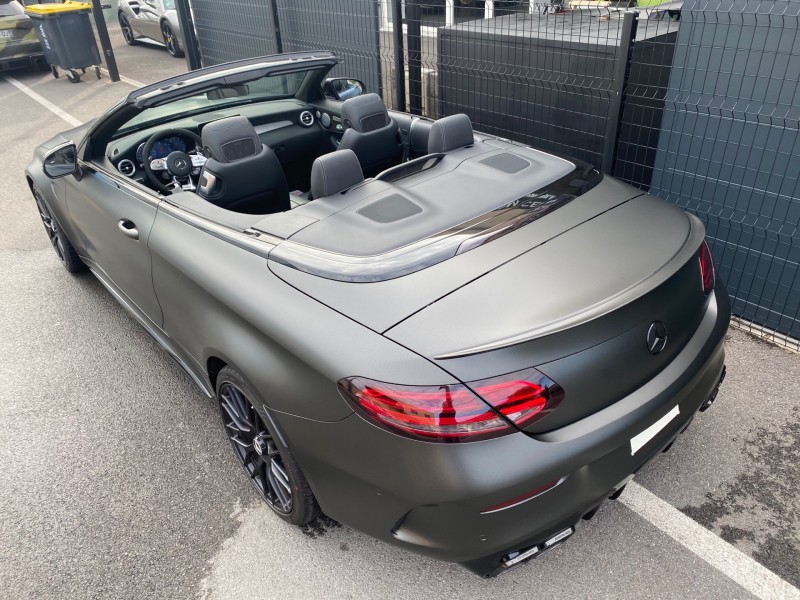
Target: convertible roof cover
(388,227)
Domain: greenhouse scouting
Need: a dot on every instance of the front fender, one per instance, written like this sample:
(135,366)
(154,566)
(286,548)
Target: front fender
(53,192)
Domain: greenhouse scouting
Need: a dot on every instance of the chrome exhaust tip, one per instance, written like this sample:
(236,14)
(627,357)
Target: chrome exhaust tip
(713,396)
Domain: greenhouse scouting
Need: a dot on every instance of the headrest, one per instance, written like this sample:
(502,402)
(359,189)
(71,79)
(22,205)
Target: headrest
(364,113)
(335,172)
(420,130)
(450,133)
(230,139)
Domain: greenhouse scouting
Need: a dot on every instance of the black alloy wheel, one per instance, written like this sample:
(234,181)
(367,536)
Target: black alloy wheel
(127,32)
(269,465)
(64,249)
(170,41)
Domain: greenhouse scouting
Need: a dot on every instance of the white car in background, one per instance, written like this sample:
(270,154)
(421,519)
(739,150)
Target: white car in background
(156,20)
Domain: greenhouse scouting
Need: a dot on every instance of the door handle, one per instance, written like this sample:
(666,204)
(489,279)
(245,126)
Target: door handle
(128,228)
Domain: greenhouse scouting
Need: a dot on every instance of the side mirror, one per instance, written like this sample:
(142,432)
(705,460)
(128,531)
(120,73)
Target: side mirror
(61,161)
(342,88)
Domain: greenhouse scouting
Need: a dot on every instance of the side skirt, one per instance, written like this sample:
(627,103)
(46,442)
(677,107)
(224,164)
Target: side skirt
(161,338)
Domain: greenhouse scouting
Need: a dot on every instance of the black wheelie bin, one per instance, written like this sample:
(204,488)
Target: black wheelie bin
(67,37)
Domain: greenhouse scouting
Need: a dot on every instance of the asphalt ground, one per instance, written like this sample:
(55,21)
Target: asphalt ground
(116,480)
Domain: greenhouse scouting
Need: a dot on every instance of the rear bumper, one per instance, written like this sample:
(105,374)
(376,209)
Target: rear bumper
(21,55)
(428,498)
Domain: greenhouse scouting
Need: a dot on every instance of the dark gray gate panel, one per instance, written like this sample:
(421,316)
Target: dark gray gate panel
(643,105)
(233,30)
(348,28)
(730,150)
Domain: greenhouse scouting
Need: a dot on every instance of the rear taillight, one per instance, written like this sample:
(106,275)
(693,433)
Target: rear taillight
(456,412)
(707,268)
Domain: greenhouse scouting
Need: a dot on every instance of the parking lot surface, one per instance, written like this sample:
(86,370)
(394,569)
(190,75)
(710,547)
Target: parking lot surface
(116,479)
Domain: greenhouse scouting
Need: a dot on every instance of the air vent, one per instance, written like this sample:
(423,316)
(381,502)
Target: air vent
(306,119)
(126,167)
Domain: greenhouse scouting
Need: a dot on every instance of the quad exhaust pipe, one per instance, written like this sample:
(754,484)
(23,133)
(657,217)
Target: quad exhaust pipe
(520,557)
(713,396)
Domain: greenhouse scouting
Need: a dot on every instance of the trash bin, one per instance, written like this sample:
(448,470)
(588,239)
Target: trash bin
(67,37)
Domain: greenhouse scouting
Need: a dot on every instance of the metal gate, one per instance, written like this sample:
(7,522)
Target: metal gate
(248,28)
(730,148)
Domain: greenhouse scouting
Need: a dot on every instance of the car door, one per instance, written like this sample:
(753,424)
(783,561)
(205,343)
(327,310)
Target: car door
(150,19)
(113,219)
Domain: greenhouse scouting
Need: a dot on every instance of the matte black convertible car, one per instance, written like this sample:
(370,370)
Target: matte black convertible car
(462,354)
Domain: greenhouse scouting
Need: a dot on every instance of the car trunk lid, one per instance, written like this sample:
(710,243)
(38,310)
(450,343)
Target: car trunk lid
(590,294)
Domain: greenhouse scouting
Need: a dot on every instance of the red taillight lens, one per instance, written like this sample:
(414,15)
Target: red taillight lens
(455,412)
(523,397)
(707,268)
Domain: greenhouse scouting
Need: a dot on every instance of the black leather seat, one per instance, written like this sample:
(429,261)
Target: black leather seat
(450,133)
(334,173)
(371,133)
(241,174)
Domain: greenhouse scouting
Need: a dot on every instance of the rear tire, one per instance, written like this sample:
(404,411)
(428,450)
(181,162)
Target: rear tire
(269,464)
(170,41)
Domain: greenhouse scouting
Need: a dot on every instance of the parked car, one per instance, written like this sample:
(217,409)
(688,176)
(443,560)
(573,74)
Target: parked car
(463,354)
(156,20)
(18,42)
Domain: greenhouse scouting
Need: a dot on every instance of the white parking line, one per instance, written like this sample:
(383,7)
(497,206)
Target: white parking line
(43,101)
(128,80)
(751,575)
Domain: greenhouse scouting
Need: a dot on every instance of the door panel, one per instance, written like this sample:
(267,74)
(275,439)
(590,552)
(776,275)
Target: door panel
(149,16)
(114,225)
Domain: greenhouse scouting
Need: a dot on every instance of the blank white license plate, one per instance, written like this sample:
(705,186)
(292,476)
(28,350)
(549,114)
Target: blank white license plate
(638,442)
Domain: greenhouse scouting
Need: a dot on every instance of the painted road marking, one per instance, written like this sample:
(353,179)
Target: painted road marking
(738,566)
(128,80)
(43,101)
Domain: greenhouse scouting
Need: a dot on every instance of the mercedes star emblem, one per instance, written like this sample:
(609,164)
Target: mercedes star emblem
(656,337)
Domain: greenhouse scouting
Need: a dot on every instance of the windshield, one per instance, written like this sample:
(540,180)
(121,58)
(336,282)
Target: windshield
(259,90)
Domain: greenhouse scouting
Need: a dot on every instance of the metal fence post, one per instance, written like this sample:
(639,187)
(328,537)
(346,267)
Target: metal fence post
(621,73)
(399,59)
(190,45)
(105,42)
(276,23)
(414,29)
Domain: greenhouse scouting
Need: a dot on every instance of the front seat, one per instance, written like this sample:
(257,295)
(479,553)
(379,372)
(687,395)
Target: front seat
(371,133)
(241,174)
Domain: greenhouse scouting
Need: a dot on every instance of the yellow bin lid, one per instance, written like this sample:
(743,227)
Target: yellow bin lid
(51,9)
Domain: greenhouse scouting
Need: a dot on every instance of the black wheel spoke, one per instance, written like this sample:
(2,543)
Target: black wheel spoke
(234,415)
(240,441)
(242,408)
(277,491)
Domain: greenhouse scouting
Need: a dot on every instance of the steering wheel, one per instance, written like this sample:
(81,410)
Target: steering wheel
(178,164)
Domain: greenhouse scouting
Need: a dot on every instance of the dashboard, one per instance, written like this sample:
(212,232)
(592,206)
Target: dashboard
(163,147)
(297,132)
